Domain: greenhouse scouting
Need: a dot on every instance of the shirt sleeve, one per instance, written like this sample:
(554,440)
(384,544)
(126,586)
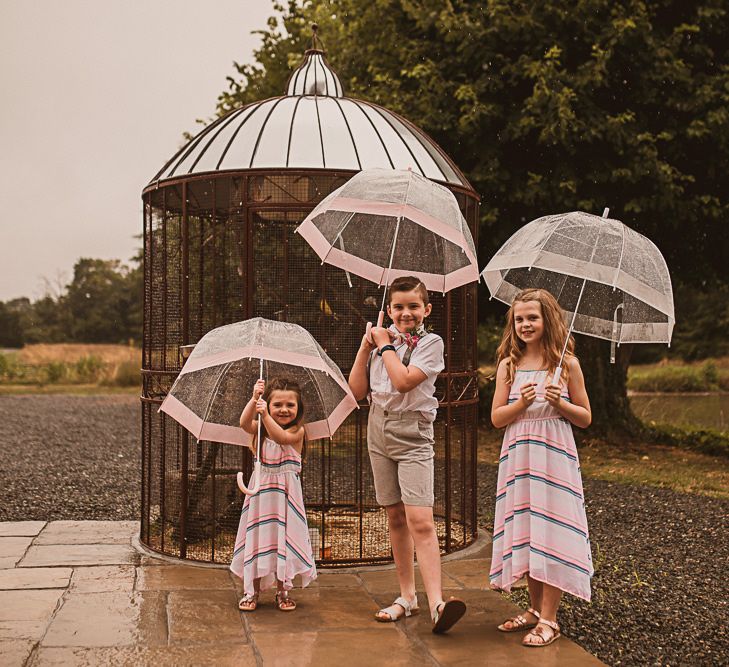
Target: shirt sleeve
(428,355)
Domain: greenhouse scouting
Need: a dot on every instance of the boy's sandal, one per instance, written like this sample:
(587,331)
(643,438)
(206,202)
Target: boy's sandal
(248,602)
(284,602)
(538,633)
(393,612)
(447,614)
(520,622)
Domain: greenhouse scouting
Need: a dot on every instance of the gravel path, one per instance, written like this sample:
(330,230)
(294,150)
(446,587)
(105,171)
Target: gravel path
(660,595)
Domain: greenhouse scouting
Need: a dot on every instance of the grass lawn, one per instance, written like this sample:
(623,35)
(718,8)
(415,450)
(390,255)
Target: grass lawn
(638,463)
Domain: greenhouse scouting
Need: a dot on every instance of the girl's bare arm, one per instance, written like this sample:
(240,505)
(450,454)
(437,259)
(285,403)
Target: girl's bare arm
(578,411)
(248,418)
(502,414)
(292,436)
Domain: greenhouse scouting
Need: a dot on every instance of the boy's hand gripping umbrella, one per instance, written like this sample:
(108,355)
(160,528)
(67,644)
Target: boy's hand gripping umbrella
(387,223)
(611,281)
(206,397)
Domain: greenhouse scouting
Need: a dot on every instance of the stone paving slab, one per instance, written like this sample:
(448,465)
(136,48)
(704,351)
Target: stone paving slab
(87,532)
(21,528)
(82,595)
(103,579)
(204,616)
(36,578)
(15,651)
(224,655)
(109,619)
(60,555)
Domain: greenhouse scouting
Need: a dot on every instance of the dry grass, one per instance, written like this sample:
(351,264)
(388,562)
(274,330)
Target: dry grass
(637,463)
(43,353)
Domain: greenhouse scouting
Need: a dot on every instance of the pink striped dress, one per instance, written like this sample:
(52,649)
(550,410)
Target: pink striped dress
(540,525)
(273,537)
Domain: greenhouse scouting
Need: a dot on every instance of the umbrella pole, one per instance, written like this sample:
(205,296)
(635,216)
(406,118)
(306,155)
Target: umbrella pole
(381,316)
(256,476)
(558,370)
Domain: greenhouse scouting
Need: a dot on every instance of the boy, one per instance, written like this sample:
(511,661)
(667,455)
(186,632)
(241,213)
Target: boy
(398,372)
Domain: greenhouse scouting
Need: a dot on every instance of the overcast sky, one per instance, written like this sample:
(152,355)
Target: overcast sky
(95,97)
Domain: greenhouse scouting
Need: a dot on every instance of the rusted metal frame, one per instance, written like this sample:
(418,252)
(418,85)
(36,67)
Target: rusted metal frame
(448,428)
(262,130)
(351,136)
(402,140)
(199,330)
(185,341)
(231,116)
(359,452)
(213,508)
(261,171)
(145,504)
(162,476)
(165,268)
(464,459)
(291,130)
(377,132)
(214,277)
(235,134)
(321,134)
(285,226)
(322,464)
(475,206)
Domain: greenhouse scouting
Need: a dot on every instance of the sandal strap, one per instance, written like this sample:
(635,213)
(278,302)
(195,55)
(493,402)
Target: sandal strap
(534,612)
(408,606)
(550,624)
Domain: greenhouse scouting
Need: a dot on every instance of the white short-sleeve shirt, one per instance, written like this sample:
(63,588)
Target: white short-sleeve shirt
(428,357)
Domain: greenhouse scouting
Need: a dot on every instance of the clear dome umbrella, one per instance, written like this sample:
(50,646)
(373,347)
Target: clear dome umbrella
(214,385)
(611,281)
(387,223)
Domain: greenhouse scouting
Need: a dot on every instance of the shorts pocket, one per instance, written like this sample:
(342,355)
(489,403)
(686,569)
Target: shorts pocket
(425,430)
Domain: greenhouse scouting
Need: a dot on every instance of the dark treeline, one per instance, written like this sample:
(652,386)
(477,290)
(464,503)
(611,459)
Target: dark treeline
(101,304)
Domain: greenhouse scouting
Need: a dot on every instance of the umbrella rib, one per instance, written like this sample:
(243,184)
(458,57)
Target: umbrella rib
(620,261)
(339,233)
(215,389)
(321,398)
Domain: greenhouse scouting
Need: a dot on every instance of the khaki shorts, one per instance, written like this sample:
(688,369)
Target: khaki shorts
(400,445)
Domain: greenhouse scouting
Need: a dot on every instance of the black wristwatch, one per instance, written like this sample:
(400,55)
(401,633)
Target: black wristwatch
(385,348)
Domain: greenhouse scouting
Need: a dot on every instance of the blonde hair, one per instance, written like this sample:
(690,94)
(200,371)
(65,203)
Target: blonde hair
(553,337)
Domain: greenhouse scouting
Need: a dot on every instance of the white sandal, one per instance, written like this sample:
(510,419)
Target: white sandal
(539,634)
(520,622)
(393,613)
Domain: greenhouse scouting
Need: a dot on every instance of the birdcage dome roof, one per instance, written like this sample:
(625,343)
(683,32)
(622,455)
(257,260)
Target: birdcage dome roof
(313,126)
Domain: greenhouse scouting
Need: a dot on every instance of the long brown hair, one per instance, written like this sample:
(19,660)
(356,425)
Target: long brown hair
(553,336)
(283,384)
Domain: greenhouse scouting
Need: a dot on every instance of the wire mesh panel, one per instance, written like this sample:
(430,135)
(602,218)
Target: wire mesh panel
(222,248)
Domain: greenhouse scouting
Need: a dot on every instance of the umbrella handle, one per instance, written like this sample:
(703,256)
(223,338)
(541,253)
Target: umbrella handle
(557,375)
(368,329)
(256,481)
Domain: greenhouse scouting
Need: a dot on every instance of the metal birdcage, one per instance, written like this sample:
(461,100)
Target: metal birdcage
(219,247)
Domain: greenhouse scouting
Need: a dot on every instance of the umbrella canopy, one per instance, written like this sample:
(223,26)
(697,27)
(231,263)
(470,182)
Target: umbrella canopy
(385,223)
(612,282)
(215,384)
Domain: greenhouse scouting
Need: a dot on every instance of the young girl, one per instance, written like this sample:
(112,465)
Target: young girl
(273,536)
(540,528)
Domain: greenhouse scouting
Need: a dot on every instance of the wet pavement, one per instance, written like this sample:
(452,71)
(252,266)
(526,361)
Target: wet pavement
(80,593)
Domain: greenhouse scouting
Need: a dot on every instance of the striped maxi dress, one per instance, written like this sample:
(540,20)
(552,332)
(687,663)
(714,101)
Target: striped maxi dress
(273,537)
(540,527)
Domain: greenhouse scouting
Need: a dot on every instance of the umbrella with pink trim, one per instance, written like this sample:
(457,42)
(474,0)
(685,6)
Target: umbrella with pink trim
(215,383)
(386,223)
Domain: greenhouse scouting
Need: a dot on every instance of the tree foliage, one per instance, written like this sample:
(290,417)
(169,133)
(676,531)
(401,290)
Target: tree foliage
(546,106)
(101,304)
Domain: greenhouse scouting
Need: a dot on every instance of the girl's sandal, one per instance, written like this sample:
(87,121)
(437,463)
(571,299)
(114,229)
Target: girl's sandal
(392,613)
(538,634)
(520,622)
(248,602)
(447,614)
(284,602)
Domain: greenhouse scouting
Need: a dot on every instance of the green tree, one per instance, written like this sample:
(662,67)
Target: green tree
(547,106)
(11,330)
(103,302)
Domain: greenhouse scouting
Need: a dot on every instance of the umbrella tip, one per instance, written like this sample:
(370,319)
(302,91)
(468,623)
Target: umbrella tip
(605,212)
